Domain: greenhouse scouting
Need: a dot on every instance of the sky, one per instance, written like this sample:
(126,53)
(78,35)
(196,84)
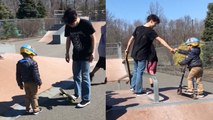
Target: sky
(131,10)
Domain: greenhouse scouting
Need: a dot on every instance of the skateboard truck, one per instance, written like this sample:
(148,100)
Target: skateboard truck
(63,93)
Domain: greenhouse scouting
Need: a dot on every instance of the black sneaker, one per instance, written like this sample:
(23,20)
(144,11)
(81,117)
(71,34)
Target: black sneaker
(149,91)
(36,113)
(82,104)
(140,93)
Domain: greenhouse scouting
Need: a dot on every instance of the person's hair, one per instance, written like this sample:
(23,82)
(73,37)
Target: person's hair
(154,18)
(70,16)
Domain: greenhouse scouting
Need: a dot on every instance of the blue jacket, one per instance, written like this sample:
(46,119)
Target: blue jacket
(193,57)
(27,71)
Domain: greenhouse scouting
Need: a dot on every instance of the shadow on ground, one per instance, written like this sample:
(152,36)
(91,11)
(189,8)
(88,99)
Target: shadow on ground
(16,107)
(116,111)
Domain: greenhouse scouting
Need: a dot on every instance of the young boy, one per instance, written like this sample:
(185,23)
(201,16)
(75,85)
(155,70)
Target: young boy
(28,78)
(194,64)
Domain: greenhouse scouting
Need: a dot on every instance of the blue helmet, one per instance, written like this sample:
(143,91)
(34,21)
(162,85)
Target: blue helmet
(192,41)
(27,49)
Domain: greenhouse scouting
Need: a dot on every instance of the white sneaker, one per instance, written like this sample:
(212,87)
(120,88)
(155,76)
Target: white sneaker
(200,95)
(36,113)
(82,104)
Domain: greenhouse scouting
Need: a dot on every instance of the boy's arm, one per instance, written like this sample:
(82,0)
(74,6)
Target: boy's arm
(18,76)
(67,55)
(93,39)
(165,44)
(129,44)
(184,52)
(36,75)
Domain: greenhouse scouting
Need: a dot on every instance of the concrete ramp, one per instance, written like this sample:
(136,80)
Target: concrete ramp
(52,70)
(128,106)
(48,37)
(57,37)
(116,70)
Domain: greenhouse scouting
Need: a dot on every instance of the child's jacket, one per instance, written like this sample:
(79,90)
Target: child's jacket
(27,71)
(193,57)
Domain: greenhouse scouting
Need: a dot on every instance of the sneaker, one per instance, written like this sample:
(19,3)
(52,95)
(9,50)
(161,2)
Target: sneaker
(36,113)
(149,91)
(200,95)
(82,104)
(188,92)
(74,97)
(140,93)
(131,89)
(28,111)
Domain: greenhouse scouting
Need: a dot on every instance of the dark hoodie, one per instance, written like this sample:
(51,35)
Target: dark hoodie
(27,71)
(193,57)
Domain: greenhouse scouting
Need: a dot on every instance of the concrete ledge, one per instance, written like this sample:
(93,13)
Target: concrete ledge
(126,105)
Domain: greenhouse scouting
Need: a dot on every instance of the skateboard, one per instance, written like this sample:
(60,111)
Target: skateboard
(182,90)
(128,69)
(63,93)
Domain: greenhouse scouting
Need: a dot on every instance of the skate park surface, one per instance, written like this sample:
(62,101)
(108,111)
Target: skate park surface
(53,68)
(128,106)
(56,73)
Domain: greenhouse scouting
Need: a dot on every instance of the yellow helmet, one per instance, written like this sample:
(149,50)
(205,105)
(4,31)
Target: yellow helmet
(27,49)
(193,42)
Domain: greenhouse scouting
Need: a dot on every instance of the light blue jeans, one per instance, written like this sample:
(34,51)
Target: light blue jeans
(137,78)
(81,78)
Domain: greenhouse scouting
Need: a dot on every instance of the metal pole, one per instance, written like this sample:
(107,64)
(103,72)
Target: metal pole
(156,89)
(119,50)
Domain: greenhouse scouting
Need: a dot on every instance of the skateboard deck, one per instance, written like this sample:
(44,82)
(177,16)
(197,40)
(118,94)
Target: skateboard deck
(63,93)
(128,69)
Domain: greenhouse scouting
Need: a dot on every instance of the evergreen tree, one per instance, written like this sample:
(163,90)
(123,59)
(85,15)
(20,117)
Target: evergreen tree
(102,10)
(208,31)
(5,13)
(208,37)
(41,10)
(27,9)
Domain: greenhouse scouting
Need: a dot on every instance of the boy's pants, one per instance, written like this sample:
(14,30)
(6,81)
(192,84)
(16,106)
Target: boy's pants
(31,90)
(195,73)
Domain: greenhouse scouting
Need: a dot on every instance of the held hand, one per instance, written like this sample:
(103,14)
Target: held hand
(173,51)
(67,58)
